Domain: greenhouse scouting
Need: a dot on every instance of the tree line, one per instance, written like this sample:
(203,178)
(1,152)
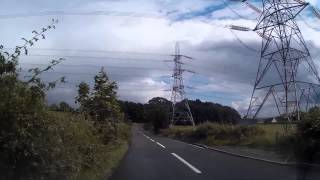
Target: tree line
(158,112)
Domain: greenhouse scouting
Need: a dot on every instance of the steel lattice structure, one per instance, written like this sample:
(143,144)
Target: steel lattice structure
(181,111)
(281,85)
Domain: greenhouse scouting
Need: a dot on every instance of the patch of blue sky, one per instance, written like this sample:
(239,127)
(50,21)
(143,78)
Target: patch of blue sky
(213,96)
(197,79)
(166,79)
(205,12)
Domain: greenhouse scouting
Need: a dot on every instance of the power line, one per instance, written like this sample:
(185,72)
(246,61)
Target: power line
(80,13)
(193,95)
(235,12)
(94,51)
(90,65)
(89,57)
(307,24)
(243,43)
(84,74)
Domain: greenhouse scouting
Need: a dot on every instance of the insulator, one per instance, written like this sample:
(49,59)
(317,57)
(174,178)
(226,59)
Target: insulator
(300,1)
(253,7)
(239,28)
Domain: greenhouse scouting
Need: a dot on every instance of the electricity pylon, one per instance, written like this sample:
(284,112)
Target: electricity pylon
(282,85)
(181,111)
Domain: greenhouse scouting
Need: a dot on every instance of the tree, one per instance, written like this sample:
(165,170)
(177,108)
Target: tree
(133,111)
(210,112)
(105,104)
(83,97)
(65,107)
(54,107)
(157,112)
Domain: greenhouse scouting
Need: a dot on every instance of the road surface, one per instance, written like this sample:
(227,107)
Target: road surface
(157,158)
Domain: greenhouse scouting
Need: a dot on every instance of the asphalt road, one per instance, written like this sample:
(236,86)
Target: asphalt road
(158,158)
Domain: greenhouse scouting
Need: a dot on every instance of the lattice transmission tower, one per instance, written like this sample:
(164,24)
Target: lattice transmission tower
(181,112)
(287,80)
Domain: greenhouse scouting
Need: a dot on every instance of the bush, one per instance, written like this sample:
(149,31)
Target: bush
(304,144)
(184,133)
(307,145)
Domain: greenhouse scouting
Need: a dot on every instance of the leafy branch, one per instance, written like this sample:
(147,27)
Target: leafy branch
(8,62)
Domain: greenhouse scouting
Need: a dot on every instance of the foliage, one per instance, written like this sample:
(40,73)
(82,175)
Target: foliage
(83,97)
(104,101)
(157,112)
(307,137)
(210,112)
(101,105)
(216,134)
(38,144)
(63,107)
(133,111)
(304,142)
(202,112)
(23,118)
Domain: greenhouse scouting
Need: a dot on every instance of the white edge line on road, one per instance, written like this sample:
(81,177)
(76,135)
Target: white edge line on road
(196,146)
(161,145)
(186,163)
(152,140)
(147,136)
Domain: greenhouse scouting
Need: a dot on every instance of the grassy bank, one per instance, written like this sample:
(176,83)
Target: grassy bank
(216,134)
(109,159)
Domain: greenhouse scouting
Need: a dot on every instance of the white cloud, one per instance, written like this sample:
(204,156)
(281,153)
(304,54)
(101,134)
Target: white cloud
(219,57)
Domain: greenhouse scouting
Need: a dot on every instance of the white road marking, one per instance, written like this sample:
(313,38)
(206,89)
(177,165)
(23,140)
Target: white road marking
(196,146)
(152,140)
(186,163)
(161,145)
(189,144)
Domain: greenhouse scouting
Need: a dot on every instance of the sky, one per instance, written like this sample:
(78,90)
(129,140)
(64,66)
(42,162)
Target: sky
(134,40)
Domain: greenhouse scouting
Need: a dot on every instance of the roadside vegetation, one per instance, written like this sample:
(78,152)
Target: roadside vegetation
(217,134)
(301,142)
(38,142)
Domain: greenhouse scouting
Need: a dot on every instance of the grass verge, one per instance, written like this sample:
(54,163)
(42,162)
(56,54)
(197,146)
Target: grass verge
(263,136)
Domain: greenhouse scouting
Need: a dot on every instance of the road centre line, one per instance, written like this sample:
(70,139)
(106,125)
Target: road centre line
(161,145)
(186,163)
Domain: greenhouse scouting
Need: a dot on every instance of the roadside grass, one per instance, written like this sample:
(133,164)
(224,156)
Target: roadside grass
(91,158)
(109,157)
(273,134)
(262,135)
